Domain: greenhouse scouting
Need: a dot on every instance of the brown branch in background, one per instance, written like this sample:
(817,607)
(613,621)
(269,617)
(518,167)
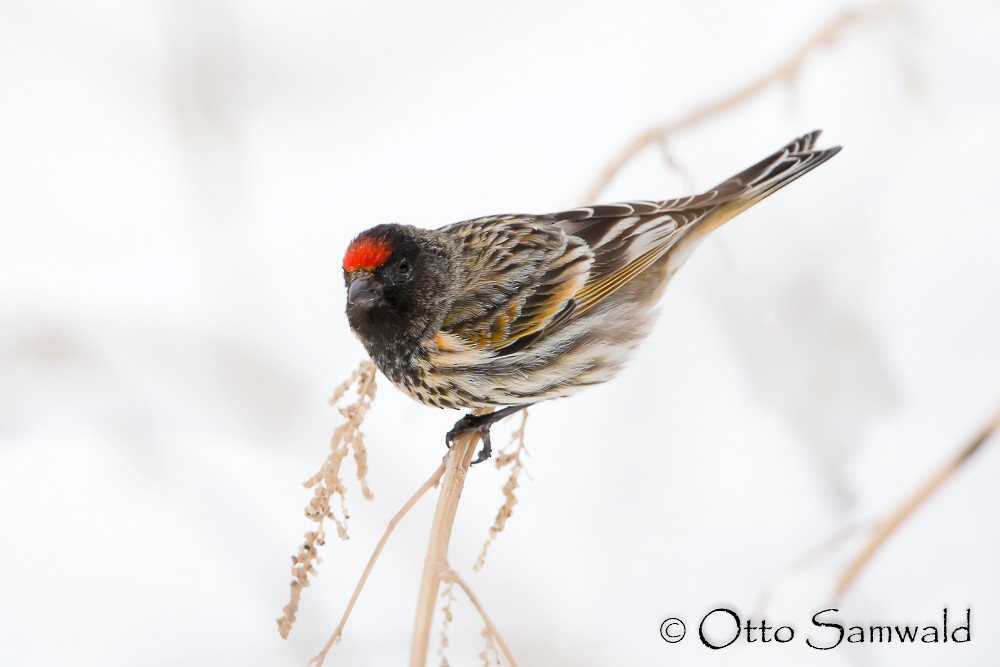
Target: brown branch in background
(503,460)
(327,483)
(431,482)
(888,527)
(436,563)
(785,71)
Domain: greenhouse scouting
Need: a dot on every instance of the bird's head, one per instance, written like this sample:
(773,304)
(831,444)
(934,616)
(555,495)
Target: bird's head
(400,282)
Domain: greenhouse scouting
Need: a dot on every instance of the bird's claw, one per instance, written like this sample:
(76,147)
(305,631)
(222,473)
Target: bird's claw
(486,450)
(470,424)
(480,424)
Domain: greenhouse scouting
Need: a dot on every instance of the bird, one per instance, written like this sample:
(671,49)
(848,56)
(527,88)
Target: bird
(506,311)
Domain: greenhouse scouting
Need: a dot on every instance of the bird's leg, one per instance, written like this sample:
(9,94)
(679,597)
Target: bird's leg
(479,424)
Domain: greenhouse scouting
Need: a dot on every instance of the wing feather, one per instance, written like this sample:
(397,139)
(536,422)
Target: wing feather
(524,274)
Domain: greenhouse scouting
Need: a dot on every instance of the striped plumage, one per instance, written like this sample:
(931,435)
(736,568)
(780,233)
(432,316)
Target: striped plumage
(511,310)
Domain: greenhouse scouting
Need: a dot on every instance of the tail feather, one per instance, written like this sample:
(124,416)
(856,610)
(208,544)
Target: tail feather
(775,172)
(767,177)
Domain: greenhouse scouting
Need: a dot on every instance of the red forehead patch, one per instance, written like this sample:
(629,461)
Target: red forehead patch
(366,253)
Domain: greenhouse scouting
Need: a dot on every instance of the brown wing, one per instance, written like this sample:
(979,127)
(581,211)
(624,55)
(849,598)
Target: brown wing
(524,275)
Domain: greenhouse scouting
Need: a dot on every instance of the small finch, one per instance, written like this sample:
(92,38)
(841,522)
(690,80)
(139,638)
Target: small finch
(505,311)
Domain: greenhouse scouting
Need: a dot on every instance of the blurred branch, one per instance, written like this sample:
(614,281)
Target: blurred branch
(393,522)
(787,70)
(889,527)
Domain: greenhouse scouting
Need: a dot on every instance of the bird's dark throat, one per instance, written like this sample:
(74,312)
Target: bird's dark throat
(392,348)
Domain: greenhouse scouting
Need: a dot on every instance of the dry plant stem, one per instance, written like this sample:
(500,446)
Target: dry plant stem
(491,629)
(786,71)
(436,564)
(393,522)
(888,527)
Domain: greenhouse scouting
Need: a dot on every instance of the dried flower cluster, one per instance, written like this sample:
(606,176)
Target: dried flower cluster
(510,499)
(490,651)
(327,483)
(448,595)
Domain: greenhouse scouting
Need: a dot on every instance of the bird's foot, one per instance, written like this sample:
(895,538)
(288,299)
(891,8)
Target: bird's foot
(473,424)
(479,424)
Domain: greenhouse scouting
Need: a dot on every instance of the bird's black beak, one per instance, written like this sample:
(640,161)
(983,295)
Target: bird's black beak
(364,292)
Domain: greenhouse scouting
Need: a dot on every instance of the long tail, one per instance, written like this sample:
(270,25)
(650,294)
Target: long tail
(748,187)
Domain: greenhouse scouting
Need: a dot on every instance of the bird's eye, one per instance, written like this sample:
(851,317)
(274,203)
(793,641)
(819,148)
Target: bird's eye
(404,268)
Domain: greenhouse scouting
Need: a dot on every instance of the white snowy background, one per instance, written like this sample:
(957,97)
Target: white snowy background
(179,180)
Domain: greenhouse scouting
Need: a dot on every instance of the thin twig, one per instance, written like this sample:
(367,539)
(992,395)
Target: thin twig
(785,71)
(393,522)
(888,527)
(491,628)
